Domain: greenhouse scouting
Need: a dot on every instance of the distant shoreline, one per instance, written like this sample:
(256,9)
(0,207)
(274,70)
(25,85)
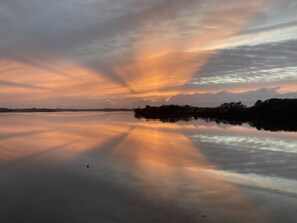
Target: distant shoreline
(32,110)
(273,114)
(274,108)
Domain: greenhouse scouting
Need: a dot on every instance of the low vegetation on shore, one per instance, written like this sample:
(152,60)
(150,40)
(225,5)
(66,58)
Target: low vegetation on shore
(280,108)
(62,110)
(270,115)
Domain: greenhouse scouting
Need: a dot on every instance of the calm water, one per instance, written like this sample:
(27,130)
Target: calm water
(111,167)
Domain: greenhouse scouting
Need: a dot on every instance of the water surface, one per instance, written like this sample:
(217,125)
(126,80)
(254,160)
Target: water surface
(111,167)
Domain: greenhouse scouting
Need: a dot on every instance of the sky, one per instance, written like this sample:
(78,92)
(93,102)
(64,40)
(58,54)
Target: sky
(129,53)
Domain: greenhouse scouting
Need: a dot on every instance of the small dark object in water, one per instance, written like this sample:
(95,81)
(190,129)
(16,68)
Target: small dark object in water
(88,166)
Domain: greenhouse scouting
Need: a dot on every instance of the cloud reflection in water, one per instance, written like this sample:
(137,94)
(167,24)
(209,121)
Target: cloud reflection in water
(142,168)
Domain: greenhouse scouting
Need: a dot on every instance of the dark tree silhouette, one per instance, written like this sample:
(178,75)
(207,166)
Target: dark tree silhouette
(282,112)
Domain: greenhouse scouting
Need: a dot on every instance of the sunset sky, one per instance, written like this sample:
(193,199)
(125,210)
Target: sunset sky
(128,53)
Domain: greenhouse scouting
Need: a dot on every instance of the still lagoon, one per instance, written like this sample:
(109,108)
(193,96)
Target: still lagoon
(111,167)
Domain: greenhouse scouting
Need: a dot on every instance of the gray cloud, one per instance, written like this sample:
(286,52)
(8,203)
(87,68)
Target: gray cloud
(21,85)
(271,62)
(215,99)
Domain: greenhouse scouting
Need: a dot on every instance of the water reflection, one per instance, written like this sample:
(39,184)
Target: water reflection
(260,123)
(110,167)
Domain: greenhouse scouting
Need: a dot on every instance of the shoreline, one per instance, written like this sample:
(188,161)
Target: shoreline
(269,109)
(272,114)
(44,110)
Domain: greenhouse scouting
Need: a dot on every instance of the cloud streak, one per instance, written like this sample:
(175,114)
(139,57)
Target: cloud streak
(21,85)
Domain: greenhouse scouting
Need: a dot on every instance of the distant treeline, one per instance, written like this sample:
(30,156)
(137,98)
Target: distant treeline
(273,114)
(273,108)
(62,110)
(286,108)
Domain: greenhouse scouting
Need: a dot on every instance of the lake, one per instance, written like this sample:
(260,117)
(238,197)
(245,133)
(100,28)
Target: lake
(111,167)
